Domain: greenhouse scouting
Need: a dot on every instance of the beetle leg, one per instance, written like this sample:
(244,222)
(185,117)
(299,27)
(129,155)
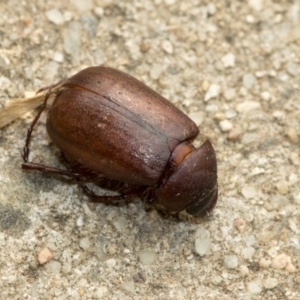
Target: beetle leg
(46,169)
(25,153)
(124,197)
(112,200)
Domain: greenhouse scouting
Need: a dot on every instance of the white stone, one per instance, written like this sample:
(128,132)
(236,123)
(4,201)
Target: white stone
(249,192)
(228,60)
(229,94)
(256,4)
(55,16)
(249,80)
(167,46)
(244,270)
(283,261)
(58,57)
(111,263)
(147,257)
(80,221)
(292,68)
(213,92)
(225,125)
(53,267)
(248,253)
(202,241)
(276,202)
(84,243)
(230,113)
(82,6)
(101,292)
(247,106)
(250,19)
(230,261)
(211,8)
(156,71)
(265,96)
(254,287)
(270,283)
(128,287)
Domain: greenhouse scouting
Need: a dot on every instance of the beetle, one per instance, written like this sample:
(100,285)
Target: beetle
(111,127)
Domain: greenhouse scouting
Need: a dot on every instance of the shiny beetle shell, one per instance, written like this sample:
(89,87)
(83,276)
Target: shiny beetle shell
(116,126)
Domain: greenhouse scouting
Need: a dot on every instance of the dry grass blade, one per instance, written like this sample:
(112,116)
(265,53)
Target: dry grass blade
(15,108)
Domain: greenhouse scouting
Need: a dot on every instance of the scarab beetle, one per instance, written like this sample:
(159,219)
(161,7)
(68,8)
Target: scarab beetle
(109,125)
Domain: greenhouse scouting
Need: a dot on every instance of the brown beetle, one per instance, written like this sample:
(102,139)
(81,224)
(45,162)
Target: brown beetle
(108,124)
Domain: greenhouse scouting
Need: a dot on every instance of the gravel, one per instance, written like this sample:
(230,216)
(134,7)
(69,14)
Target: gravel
(234,67)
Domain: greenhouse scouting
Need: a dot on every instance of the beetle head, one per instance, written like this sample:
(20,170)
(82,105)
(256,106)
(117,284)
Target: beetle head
(193,184)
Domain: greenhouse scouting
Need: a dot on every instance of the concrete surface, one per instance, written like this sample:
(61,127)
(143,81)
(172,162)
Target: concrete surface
(234,68)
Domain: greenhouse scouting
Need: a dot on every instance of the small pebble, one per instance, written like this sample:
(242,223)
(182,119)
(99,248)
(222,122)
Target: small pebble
(82,6)
(249,80)
(111,263)
(205,85)
(276,202)
(202,241)
(254,287)
(297,199)
(211,8)
(230,261)
(293,68)
(256,4)
(249,192)
(240,224)
(53,267)
(264,263)
(265,96)
(273,252)
(72,41)
(234,134)
(84,243)
(228,60)
(147,257)
(101,292)
(247,106)
(292,135)
(282,187)
(225,125)
(167,46)
(283,261)
(128,287)
(230,113)
(294,158)
(250,137)
(58,57)
(44,256)
(55,16)
(90,24)
(212,92)
(270,283)
(248,253)
(99,11)
(250,19)
(244,270)
(155,71)
(80,221)
(229,94)
(66,268)
(120,224)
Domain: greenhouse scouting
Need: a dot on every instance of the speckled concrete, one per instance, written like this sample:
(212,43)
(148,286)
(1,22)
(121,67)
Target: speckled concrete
(234,68)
